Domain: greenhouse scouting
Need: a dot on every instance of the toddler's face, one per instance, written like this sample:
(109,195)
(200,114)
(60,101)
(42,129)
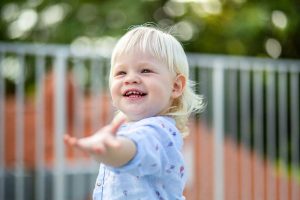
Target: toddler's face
(141,85)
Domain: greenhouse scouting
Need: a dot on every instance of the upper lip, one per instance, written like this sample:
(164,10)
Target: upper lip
(133,91)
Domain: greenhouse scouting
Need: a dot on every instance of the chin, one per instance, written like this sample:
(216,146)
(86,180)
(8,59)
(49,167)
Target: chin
(138,117)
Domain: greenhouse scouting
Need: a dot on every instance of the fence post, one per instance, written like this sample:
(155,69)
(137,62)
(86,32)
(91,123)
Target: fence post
(258,128)
(283,128)
(60,121)
(19,146)
(270,128)
(2,129)
(295,129)
(218,121)
(39,128)
(245,128)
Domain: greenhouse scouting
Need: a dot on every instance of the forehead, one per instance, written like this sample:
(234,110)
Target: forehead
(138,57)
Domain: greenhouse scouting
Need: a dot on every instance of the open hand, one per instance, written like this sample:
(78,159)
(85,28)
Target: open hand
(98,143)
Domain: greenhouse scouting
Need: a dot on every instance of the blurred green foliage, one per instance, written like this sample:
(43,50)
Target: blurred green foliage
(236,27)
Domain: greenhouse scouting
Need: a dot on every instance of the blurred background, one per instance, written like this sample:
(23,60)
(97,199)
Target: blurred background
(244,57)
(238,27)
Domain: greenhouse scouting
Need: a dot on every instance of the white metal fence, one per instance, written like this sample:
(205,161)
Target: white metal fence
(252,101)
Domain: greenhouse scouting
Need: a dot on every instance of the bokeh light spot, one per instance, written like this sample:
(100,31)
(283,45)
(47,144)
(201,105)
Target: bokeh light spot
(273,47)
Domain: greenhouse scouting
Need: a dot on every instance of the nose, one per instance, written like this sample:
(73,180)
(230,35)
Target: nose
(132,78)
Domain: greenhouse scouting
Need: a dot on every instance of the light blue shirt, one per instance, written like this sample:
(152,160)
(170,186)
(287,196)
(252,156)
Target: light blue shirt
(156,172)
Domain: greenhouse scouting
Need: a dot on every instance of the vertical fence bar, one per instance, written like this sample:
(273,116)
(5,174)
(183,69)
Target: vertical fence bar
(245,130)
(258,132)
(79,76)
(193,150)
(97,93)
(60,121)
(218,117)
(79,124)
(2,128)
(295,118)
(283,130)
(19,174)
(203,186)
(270,130)
(234,188)
(39,129)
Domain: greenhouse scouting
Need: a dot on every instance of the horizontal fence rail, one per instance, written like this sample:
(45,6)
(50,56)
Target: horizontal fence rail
(244,145)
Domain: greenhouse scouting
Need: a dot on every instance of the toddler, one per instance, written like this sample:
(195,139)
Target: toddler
(140,151)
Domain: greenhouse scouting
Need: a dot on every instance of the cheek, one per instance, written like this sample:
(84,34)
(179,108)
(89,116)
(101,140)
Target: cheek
(167,86)
(163,90)
(114,97)
(114,89)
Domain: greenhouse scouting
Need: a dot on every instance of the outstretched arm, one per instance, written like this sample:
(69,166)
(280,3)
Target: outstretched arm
(105,146)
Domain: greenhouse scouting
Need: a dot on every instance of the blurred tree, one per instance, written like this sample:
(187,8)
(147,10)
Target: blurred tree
(238,27)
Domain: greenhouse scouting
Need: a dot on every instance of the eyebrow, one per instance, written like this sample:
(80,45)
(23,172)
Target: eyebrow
(146,64)
(139,64)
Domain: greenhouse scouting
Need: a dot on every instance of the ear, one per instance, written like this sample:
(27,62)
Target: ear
(178,86)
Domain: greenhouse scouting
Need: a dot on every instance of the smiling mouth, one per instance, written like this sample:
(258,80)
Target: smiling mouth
(134,94)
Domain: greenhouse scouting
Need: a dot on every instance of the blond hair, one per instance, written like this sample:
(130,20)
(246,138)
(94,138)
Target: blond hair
(164,46)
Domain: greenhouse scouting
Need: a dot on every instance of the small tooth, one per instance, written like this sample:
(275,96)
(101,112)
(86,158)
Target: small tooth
(133,93)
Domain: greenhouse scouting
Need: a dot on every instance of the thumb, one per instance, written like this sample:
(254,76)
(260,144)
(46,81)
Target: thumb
(116,125)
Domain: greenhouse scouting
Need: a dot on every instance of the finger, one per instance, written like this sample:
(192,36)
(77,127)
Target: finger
(66,138)
(70,140)
(73,141)
(119,116)
(115,126)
